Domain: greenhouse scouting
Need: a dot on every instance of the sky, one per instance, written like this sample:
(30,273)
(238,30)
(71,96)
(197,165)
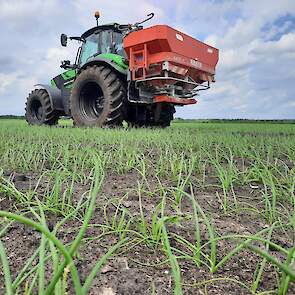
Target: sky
(256,71)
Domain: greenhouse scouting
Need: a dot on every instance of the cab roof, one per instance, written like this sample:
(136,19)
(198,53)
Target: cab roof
(96,29)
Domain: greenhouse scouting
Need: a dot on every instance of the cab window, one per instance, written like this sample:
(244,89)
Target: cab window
(89,48)
(106,42)
(118,43)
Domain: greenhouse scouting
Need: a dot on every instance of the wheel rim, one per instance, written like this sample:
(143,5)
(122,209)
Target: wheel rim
(91,101)
(36,110)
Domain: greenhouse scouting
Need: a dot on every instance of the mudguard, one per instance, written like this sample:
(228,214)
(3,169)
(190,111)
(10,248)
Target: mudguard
(106,61)
(55,95)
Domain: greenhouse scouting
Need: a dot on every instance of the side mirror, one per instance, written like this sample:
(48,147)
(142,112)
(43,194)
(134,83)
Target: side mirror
(63,40)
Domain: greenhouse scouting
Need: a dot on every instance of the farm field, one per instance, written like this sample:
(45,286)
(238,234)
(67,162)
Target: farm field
(197,208)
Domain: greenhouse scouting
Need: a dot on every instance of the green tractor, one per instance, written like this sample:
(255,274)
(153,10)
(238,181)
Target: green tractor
(111,81)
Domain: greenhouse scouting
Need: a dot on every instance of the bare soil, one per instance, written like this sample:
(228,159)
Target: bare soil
(134,270)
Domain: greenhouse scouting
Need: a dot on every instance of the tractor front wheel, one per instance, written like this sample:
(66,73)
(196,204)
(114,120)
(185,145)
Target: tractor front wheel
(97,98)
(39,110)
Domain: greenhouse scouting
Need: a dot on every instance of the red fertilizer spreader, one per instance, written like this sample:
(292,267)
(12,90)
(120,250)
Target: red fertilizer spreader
(169,65)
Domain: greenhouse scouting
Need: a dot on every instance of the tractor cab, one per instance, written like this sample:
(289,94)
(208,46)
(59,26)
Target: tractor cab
(103,42)
(106,39)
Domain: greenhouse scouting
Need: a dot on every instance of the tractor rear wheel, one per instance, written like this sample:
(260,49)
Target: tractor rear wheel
(97,98)
(157,115)
(39,110)
(162,115)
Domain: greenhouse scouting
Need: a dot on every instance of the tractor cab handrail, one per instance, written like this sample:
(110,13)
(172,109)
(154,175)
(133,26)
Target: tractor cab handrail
(135,27)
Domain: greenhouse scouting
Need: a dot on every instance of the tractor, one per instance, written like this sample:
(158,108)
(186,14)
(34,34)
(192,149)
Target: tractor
(125,73)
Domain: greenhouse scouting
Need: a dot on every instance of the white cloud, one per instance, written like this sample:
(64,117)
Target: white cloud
(291,104)
(286,44)
(17,15)
(6,80)
(122,11)
(255,73)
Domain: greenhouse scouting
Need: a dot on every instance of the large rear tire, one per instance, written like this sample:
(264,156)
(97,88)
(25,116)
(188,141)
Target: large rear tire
(162,115)
(38,109)
(97,98)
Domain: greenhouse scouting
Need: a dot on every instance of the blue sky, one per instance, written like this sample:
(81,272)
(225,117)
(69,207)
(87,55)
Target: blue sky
(255,75)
